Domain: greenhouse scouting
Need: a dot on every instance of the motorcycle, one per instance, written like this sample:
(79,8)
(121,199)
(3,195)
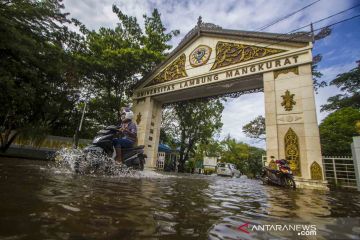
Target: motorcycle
(100,155)
(282,177)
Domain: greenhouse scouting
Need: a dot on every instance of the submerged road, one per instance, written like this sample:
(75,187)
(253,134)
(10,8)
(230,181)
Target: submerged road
(41,201)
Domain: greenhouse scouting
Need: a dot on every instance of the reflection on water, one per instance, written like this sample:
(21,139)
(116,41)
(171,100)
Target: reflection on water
(40,202)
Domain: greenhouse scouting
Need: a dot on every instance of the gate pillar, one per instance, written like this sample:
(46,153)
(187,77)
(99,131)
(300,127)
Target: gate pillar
(291,125)
(147,116)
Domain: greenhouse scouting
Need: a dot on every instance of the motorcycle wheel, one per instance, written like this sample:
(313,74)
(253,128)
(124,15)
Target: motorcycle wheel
(264,178)
(289,182)
(141,164)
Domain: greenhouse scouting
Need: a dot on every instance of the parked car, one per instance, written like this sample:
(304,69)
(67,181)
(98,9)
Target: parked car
(227,169)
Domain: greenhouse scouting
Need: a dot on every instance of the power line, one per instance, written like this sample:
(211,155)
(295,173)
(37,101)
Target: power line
(305,33)
(320,20)
(287,16)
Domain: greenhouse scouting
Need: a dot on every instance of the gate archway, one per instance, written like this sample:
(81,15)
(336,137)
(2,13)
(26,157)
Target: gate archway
(212,61)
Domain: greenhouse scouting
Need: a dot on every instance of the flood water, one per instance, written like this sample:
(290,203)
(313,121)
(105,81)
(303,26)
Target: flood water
(39,201)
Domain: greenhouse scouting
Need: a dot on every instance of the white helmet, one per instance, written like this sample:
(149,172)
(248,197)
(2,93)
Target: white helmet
(127,114)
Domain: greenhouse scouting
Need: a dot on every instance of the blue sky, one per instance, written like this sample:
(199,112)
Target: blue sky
(340,50)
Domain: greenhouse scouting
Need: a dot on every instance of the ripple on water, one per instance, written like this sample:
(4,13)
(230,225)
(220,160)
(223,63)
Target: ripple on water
(45,204)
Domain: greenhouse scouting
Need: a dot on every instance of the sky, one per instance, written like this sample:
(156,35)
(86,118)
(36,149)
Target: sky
(340,50)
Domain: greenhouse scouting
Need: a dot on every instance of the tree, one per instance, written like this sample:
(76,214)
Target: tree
(169,128)
(117,58)
(337,130)
(236,153)
(210,148)
(255,128)
(316,74)
(247,158)
(38,73)
(349,83)
(197,122)
(255,161)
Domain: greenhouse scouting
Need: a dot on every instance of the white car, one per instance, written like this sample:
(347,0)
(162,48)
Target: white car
(227,169)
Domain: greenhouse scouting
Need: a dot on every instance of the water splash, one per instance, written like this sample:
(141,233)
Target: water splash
(76,161)
(69,160)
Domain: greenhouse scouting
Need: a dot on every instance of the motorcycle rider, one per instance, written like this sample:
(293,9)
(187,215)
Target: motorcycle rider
(129,133)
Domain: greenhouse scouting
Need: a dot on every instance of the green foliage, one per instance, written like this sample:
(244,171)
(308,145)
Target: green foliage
(189,166)
(255,128)
(46,70)
(193,122)
(236,153)
(156,36)
(38,74)
(255,161)
(192,125)
(169,128)
(198,122)
(114,61)
(209,148)
(316,74)
(349,83)
(246,158)
(337,130)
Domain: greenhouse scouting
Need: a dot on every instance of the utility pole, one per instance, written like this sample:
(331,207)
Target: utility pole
(76,136)
(312,32)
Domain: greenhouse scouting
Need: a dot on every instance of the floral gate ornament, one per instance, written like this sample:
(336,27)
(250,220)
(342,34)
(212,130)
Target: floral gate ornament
(138,119)
(292,151)
(288,101)
(174,71)
(316,171)
(229,53)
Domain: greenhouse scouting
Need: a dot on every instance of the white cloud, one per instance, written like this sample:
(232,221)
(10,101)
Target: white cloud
(240,111)
(246,15)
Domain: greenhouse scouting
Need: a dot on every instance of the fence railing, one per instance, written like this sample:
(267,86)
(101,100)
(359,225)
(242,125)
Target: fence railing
(160,163)
(339,171)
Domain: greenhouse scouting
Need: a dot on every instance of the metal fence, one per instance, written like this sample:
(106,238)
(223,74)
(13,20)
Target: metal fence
(340,171)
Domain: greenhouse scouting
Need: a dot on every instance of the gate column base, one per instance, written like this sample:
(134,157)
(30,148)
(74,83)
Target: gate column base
(311,184)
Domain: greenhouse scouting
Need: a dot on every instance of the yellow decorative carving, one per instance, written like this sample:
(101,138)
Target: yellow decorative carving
(174,71)
(316,171)
(294,70)
(228,53)
(138,119)
(272,165)
(288,101)
(292,151)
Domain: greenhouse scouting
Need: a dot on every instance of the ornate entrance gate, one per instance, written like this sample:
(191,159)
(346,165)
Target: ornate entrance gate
(212,61)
